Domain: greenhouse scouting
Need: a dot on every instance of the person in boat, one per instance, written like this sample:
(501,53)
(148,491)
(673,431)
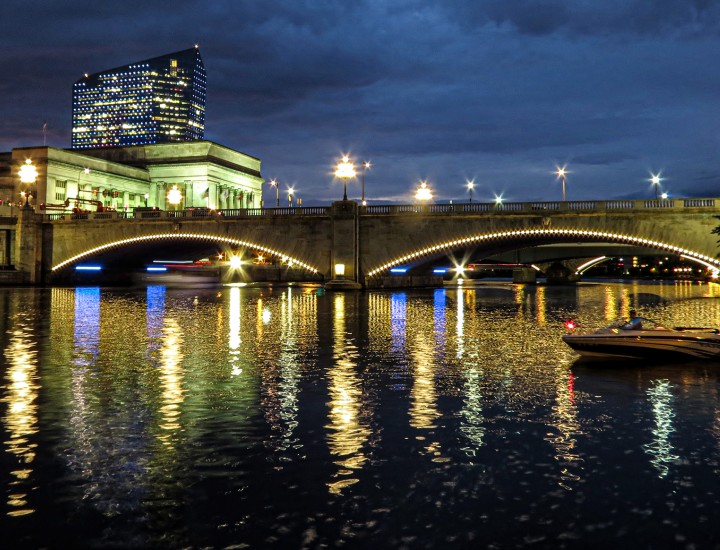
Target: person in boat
(634,323)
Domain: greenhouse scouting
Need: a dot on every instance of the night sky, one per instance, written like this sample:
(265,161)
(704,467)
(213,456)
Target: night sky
(499,91)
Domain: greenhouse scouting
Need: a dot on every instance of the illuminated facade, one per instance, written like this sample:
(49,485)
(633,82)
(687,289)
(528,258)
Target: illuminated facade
(206,174)
(159,100)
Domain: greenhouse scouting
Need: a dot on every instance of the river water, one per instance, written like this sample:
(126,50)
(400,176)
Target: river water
(291,418)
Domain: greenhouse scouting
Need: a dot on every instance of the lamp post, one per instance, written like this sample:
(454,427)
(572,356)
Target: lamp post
(655,181)
(561,173)
(174,196)
(290,191)
(366,166)
(28,175)
(470,186)
(146,196)
(274,183)
(423,193)
(345,170)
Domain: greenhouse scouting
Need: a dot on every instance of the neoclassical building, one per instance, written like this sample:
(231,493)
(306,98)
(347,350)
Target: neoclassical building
(169,176)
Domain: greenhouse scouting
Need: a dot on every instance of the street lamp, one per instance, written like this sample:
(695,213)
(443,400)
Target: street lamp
(470,186)
(28,175)
(366,166)
(146,196)
(423,193)
(344,171)
(561,173)
(655,180)
(274,183)
(174,196)
(290,191)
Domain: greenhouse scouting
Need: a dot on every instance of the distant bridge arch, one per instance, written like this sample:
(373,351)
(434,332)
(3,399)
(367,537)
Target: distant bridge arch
(528,237)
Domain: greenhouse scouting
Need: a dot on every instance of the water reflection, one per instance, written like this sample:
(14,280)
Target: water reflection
(348,427)
(660,449)
(565,420)
(237,418)
(171,380)
(21,417)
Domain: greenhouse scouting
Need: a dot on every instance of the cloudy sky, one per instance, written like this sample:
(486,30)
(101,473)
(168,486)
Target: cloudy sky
(499,91)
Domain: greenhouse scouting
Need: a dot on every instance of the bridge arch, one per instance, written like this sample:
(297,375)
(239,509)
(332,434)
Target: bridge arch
(546,235)
(180,236)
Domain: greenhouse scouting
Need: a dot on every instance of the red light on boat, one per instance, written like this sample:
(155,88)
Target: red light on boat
(570,325)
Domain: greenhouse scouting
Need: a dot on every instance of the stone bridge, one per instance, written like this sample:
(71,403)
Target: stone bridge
(367,241)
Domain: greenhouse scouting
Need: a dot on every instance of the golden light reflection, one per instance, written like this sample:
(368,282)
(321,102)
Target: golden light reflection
(234,338)
(348,430)
(21,417)
(565,420)
(171,379)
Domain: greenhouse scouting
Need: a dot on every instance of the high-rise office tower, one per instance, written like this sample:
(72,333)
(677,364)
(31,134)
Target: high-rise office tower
(159,100)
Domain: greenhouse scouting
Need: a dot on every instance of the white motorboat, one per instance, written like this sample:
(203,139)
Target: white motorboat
(656,342)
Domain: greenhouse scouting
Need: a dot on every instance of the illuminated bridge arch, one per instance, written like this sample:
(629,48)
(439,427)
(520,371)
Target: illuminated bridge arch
(547,234)
(180,236)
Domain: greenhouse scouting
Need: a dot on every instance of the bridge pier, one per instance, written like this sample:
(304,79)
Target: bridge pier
(29,246)
(345,253)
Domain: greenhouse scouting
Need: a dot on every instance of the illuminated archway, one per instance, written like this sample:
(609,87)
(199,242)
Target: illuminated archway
(177,236)
(598,236)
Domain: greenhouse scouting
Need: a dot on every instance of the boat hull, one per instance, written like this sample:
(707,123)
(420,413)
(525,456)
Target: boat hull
(664,345)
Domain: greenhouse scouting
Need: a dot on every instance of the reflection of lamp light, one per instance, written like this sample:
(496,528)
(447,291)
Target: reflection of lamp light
(28,175)
(340,271)
(344,171)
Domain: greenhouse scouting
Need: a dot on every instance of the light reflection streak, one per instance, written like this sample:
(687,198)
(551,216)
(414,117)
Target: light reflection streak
(660,449)
(21,418)
(565,420)
(171,379)
(472,424)
(460,324)
(280,381)
(234,337)
(423,394)
(348,430)
(398,320)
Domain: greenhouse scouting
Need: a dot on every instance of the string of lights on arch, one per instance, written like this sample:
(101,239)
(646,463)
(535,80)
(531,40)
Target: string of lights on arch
(709,262)
(191,236)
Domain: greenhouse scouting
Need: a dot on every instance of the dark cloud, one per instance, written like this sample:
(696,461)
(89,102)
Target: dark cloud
(495,90)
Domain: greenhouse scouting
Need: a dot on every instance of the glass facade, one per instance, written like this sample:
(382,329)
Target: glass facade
(160,100)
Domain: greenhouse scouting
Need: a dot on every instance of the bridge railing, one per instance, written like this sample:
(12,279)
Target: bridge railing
(536,207)
(542,207)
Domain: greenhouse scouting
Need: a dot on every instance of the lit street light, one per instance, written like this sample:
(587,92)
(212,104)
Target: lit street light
(28,175)
(561,173)
(470,186)
(423,193)
(344,171)
(290,191)
(146,196)
(274,183)
(366,166)
(655,180)
(174,196)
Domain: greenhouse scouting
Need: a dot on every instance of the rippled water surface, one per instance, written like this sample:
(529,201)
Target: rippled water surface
(291,418)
